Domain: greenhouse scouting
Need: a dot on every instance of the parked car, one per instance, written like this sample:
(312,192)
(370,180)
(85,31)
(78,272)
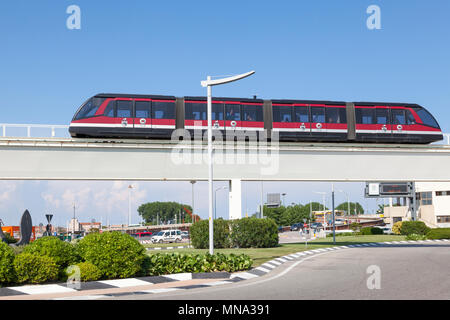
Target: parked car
(167,236)
(316,225)
(296,226)
(184,235)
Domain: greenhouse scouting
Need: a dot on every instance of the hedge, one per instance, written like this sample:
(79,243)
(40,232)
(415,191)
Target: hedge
(115,254)
(371,231)
(34,268)
(88,271)
(413,227)
(199,233)
(63,253)
(6,263)
(254,233)
(168,263)
(439,233)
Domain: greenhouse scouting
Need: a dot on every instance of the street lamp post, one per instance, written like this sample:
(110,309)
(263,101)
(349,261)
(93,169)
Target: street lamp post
(215,197)
(129,204)
(209,83)
(334,217)
(348,202)
(323,200)
(193,182)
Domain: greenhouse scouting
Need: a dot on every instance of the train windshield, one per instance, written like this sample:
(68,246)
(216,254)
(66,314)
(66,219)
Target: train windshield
(89,108)
(427,118)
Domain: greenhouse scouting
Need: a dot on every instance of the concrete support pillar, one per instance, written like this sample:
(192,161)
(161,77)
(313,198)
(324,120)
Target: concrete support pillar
(235,199)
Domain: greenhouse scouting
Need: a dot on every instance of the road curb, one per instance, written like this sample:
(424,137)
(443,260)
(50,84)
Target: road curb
(169,248)
(225,277)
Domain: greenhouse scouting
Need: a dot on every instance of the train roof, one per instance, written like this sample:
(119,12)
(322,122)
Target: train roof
(280,101)
(134,96)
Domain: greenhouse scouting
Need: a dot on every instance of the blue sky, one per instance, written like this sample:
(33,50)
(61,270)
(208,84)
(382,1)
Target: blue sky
(299,49)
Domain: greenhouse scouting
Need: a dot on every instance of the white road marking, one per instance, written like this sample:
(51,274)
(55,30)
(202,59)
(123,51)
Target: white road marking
(179,276)
(122,283)
(43,289)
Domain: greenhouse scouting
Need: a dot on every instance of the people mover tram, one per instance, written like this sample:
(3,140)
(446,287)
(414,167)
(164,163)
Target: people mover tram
(156,117)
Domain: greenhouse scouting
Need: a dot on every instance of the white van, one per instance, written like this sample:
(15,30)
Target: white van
(167,236)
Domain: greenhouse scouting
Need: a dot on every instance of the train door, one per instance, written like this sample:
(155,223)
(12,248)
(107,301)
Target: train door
(366,127)
(123,117)
(336,122)
(217,116)
(318,125)
(302,122)
(399,124)
(383,121)
(163,118)
(195,115)
(232,117)
(282,123)
(252,117)
(143,116)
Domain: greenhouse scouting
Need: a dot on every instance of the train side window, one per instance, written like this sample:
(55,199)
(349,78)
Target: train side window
(124,108)
(336,115)
(196,111)
(233,112)
(398,116)
(217,111)
(143,109)
(282,113)
(318,114)
(382,116)
(410,118)
(90,108)
(427,118)
(110,109)
(252,113)
(301,114)
(163,109)
(365,116)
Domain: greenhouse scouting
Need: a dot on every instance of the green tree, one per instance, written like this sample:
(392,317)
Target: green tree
(277,214)
(163,211)
(343,206)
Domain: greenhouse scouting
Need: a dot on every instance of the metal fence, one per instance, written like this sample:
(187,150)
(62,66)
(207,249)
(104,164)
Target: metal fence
(51,130)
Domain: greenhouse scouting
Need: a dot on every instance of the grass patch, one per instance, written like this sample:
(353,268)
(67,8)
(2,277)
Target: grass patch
(163,245)
(261,255)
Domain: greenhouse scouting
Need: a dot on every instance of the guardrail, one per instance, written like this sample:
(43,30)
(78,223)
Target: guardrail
(53,127)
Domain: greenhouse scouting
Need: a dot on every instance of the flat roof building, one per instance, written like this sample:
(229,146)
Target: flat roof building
(433,202)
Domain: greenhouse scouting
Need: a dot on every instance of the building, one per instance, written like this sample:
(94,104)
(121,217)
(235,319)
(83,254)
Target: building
(14,231)
(74,226)
(433,202)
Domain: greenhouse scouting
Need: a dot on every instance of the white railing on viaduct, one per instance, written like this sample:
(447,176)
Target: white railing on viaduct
(50,131)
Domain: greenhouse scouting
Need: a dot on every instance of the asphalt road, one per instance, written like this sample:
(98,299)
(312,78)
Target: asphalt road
(416,271)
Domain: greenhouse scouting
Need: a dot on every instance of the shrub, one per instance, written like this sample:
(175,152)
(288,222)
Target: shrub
(9,239)
(169,263)
(6,263)
(116,254)
(34,268)
(396,227)
(355,226)
(199,233)
(414,227)
(254,233)
(439,233)
(61,252)
(371,231)
(415,237)
(88,271)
